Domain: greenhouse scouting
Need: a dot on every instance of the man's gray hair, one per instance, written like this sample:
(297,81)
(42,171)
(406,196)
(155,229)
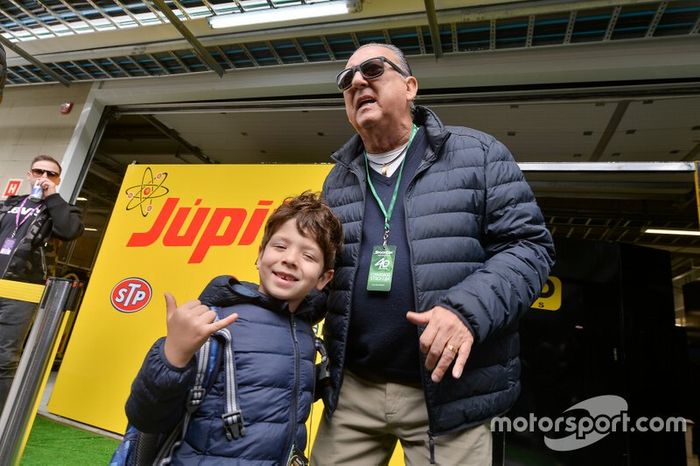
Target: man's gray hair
(403,63)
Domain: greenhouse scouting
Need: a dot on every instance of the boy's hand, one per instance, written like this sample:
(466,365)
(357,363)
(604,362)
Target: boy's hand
(189,326)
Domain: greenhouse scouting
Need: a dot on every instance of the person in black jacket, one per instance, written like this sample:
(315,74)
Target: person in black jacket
(445,247)
(28,226)
(271,334)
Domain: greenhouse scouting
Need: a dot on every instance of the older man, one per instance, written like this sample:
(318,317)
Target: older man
(438,220)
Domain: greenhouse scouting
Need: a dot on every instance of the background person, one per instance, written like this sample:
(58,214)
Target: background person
(437,220)
(27,228)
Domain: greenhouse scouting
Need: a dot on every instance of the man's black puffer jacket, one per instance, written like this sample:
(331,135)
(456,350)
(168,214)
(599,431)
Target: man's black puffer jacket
(30,261)
(479,247)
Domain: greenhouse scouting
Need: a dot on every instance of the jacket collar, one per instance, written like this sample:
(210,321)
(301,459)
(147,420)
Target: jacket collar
(435,131)
(350,154)
(226,290)
(14,200)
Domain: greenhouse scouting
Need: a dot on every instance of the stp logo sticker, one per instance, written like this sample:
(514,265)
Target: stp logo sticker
(131,295)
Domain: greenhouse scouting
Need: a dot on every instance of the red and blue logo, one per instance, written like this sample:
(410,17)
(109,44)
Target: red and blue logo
(131,295)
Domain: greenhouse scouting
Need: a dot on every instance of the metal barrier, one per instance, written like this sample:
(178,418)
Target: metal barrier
(21,405)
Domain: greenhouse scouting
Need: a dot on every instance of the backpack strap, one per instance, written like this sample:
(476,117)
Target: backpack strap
(207,358)
(197,392)
(233,418)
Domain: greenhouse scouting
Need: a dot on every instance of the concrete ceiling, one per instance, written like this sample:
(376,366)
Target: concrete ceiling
(606,130)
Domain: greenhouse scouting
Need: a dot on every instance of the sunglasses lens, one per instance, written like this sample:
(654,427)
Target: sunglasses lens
(372,68)
(345,79)
(40,172)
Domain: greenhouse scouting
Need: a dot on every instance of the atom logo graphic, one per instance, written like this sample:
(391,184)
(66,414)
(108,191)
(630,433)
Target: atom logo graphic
(151,188)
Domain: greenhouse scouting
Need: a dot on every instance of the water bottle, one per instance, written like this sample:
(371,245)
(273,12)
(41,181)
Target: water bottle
(37,193)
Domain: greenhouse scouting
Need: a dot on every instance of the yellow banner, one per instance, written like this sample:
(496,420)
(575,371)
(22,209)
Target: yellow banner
(173,228)
(30,292)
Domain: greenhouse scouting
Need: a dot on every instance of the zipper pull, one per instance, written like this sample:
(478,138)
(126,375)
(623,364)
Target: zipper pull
(431,447)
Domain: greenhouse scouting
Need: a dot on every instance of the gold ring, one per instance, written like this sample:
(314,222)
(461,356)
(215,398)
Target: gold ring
(451,349)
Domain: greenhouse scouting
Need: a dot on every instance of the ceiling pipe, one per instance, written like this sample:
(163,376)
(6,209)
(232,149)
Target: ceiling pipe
(434,28)
(172,134)
(33,61)
(610,130)
(199,49)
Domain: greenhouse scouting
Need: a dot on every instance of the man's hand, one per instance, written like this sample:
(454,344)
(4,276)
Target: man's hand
(48,186)
(189,326)
(444,340)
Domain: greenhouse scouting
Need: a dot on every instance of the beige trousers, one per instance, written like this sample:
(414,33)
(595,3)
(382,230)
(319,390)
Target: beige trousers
(371,417)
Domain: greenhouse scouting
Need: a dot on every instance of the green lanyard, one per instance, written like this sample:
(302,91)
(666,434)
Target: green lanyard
(388,213)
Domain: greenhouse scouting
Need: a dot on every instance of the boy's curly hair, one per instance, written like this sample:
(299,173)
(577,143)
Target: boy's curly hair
(314,220)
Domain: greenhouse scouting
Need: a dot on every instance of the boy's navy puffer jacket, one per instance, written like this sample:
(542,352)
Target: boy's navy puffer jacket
(274,363)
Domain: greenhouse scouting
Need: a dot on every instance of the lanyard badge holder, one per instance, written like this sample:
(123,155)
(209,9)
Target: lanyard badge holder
(9,244)
(381,266)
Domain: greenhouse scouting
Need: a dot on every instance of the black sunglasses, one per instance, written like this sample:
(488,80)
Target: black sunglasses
(370,69)
(41,172)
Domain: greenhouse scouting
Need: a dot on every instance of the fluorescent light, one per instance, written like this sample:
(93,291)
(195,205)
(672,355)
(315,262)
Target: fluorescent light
(81,199)
(289,13)
(662,231)
(90,229)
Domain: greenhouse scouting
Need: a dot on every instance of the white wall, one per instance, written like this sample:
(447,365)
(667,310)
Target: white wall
(31,124)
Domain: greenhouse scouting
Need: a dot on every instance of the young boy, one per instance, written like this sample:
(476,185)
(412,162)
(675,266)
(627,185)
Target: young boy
(272,341)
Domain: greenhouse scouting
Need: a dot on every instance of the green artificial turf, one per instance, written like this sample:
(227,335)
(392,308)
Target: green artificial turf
(54,444)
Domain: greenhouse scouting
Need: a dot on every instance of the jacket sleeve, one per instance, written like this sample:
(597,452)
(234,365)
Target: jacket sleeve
(314,304)
(65,218)
(519,248)
(159,392)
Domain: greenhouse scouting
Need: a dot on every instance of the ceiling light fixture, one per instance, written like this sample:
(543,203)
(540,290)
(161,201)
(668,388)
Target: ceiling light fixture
(290,13)
(663,231)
